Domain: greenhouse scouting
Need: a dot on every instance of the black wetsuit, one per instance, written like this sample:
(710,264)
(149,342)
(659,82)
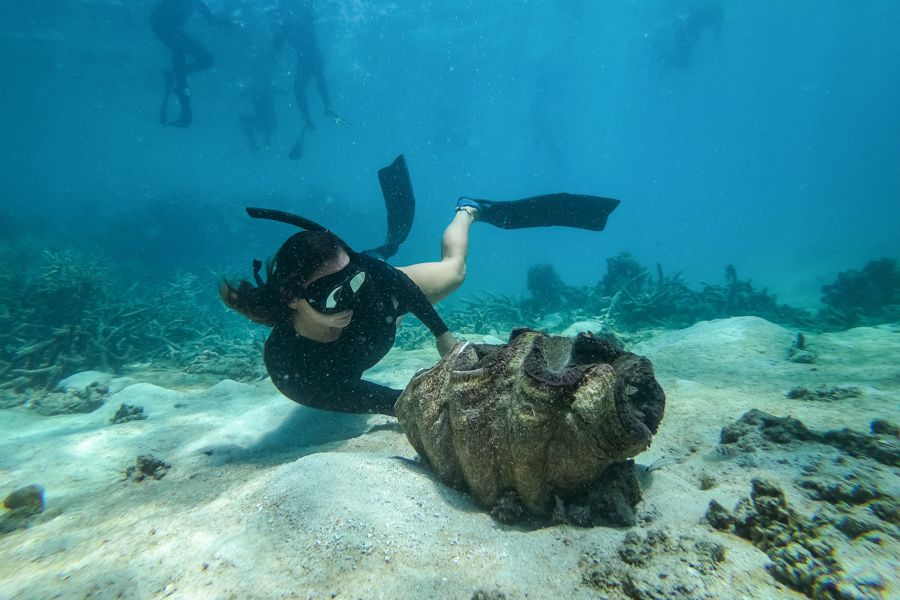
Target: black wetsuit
(327,375)
(168,20)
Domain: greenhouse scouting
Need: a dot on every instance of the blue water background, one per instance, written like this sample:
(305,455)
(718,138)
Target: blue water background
(776,149)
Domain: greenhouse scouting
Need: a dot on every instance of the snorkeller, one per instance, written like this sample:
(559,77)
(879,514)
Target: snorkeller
(334,311)
(168,20)
(262,118)
(297,27)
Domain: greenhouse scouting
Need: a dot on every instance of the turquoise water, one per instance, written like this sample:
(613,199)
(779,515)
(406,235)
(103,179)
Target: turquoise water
(772,146)
(754,147)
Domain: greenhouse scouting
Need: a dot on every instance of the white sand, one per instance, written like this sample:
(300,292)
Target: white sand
(267,499)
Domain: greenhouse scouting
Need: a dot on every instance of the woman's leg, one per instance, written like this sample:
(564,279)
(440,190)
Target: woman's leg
(301,80)
(202,58)
(439,279)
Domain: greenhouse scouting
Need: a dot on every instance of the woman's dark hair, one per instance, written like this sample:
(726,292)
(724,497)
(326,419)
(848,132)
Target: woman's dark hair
(297,259)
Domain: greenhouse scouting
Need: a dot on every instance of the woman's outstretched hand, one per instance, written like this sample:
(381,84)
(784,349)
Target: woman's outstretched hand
(445,343)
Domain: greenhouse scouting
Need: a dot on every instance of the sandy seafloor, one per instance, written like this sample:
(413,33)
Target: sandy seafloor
(267,499)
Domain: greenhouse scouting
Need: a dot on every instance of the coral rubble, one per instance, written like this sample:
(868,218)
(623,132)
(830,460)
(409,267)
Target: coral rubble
(801,554)
(71,400)
(758,429)
(126,413)
(824,394)
(848,475)
(147,466)
(656,565)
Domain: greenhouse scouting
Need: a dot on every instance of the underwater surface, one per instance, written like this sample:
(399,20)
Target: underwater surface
(753,146)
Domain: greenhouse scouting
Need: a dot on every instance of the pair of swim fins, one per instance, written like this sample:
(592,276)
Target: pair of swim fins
(548,210)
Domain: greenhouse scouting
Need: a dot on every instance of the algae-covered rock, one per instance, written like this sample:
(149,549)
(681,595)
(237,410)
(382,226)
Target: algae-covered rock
(22,506)
(800,353)
(824,394)
(718,516)
(488,595)
(126,413)
(883,448)
(657,565)
(542,416)
(10,397)
(71,401)
(802,555)
(884,427)
(755,428)
(29,499)
(759,430)
(147,466)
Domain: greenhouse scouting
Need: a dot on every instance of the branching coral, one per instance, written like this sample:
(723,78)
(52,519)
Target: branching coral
(71,316)
(549,295)
(628,298)
(863,297)
(638,300)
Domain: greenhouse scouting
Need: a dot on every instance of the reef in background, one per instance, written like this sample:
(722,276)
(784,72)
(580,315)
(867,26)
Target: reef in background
(63,311)
(867,297)
(630,298)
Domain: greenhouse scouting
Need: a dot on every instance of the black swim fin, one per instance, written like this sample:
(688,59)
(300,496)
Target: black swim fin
(187,115)
(398,198)
(297,151)
(396,187)
(563,210)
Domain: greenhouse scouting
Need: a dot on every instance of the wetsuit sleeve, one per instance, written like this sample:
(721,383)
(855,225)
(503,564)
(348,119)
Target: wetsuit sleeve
(409,295)
(417,303)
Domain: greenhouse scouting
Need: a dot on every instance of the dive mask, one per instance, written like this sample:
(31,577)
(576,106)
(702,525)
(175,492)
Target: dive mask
(336,292)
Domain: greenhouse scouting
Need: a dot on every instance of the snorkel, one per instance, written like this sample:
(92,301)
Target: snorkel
(330,294)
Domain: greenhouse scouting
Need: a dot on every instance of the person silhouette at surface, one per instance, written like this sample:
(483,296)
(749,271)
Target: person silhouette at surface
(691,19)
(297,27)
(168,20)
(261,120)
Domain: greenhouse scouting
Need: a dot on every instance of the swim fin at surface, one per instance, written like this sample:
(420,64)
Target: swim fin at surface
(297,151)
(562,210)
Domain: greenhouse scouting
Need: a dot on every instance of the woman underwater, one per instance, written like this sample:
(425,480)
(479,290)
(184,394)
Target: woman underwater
(334,311)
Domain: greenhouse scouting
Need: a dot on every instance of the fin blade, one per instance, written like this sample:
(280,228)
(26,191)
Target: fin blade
(396,187)
(563,210)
